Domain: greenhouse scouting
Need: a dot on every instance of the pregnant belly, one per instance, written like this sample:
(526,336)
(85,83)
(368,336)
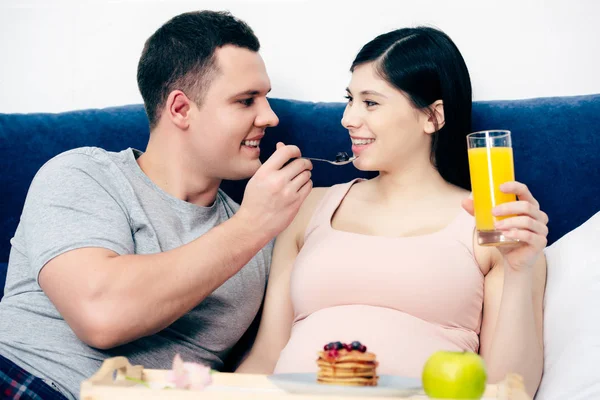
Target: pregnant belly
(401,342)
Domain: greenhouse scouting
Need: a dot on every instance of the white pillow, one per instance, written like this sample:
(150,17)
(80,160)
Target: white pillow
(572,316)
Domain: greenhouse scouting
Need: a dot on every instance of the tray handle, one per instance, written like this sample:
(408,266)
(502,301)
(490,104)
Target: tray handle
(120,365)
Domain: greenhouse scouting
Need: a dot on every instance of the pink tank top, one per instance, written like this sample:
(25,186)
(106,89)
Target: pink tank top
(403,297)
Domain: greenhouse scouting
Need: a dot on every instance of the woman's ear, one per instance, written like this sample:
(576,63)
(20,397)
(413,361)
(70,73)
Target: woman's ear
(436,119)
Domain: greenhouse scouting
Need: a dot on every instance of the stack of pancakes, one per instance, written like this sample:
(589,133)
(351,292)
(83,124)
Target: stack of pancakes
(347,366)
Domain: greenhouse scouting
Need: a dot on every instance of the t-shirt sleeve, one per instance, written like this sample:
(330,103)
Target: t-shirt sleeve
(73,202)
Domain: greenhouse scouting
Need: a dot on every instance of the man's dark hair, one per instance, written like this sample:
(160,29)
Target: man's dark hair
(180,55)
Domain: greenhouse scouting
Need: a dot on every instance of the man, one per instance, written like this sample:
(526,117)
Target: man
(142,255)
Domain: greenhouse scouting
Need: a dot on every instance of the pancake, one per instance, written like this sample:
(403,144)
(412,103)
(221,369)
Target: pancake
(347,365)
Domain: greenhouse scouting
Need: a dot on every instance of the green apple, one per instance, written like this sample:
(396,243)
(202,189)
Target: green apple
(454,375)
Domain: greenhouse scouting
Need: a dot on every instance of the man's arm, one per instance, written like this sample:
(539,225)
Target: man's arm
(110,299)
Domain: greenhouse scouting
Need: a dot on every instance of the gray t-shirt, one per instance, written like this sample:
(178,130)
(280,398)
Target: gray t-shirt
(89,197)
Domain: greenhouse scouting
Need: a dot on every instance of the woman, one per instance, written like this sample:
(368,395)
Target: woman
(393,262)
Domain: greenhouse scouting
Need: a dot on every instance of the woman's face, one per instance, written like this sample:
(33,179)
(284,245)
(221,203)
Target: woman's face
(388,133)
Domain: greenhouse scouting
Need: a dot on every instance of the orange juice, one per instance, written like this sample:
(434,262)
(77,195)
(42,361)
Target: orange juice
(490,167)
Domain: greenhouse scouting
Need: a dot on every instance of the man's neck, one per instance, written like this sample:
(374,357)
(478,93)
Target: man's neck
(164,163)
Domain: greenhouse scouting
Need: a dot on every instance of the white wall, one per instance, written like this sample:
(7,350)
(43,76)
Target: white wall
(61,55)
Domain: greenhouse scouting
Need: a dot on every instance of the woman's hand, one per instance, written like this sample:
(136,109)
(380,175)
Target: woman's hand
(524,222)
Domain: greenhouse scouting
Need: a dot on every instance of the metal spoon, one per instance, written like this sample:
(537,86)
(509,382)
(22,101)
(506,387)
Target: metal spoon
(340,162)
(341,158)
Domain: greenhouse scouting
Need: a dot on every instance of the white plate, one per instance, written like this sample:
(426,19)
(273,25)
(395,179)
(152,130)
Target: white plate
(388,386)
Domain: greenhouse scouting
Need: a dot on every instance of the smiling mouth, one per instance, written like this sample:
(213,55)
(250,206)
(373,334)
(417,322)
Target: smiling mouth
(251,143)
(362,142)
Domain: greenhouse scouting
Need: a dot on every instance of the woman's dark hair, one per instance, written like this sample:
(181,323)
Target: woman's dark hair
(180,55)
(427,66)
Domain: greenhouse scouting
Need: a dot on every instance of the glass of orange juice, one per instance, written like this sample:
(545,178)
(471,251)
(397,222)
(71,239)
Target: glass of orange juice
(490,165)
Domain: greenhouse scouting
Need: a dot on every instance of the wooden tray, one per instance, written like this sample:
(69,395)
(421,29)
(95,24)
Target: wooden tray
(109,383)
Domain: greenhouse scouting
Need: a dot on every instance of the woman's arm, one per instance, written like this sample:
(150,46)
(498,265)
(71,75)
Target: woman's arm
(512,326)
(278,314)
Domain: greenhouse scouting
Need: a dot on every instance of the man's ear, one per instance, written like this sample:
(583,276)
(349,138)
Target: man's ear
(435,120)
(178,109)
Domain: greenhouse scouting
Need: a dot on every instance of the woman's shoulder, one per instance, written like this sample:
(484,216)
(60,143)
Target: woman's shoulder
(295,231)
(458,191)
(484,255)
(318,194)
(310,206)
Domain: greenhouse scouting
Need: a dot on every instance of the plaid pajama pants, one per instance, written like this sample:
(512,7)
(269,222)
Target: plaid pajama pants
(16,383)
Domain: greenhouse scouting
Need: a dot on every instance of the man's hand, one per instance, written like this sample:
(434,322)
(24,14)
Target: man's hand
(274,194)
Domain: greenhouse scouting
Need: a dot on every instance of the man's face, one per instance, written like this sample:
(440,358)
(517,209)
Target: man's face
(227,128)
